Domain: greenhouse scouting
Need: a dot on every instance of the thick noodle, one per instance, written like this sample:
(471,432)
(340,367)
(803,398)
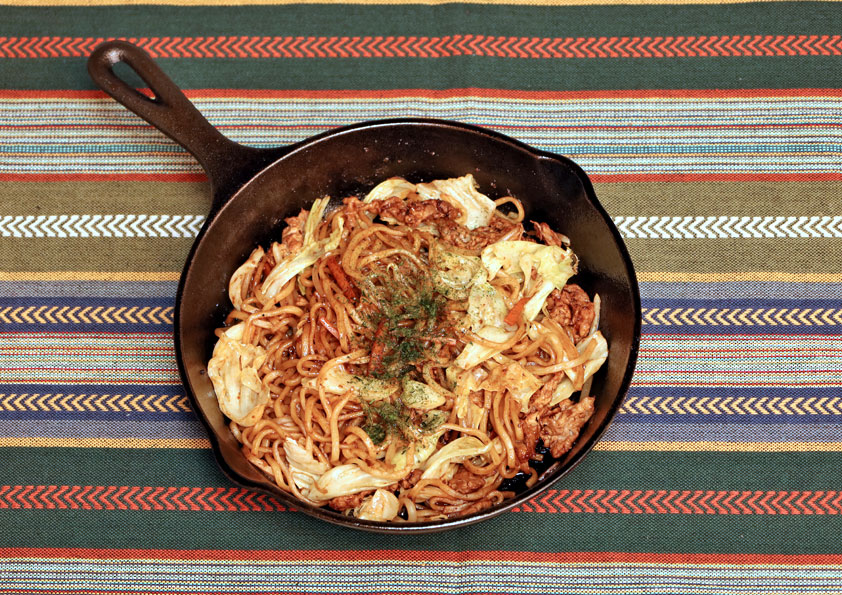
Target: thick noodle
(349,387)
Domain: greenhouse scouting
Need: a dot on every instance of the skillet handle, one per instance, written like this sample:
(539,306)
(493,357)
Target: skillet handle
(228,164)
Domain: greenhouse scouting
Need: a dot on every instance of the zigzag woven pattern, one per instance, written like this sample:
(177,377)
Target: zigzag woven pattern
(653,405)
(94,403)
(724,226)
(644,227)
(687,502)
(742,316)
(135,498)
(680,46)
(87,314)
(220,499)
(98,226)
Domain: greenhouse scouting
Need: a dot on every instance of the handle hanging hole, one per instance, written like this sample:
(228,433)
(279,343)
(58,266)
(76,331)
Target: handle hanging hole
(127,74)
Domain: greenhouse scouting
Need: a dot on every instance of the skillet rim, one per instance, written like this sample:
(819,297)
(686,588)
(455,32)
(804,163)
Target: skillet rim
(548,479)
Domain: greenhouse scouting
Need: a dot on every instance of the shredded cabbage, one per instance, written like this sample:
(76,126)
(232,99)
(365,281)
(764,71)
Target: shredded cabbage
(598,356)
(454,274)
(388,188)
(554,265)
(242,276)
(420,396)
(486,311)
(311,251)
(344,480)
(233,371)
(380,506)
(461,192)
(453,452)
(305,468)
(338,382)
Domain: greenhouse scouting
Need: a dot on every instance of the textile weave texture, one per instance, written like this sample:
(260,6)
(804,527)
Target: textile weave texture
(713,134)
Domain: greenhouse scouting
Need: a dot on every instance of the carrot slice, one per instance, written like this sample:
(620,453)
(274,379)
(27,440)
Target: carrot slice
(328,326)
(348,289)
(378,347)
(513,316)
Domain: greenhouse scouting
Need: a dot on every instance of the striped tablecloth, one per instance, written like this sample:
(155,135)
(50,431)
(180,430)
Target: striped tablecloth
(713,132)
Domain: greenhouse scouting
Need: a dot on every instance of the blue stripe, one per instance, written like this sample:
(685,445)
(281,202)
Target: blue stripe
(158,321)
(90,289)
(725,418)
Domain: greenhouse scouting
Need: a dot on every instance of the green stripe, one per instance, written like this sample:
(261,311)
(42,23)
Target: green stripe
(94,254)
(780,534)
(354,20)
(278,531)
(103,198)
(599,470)
(349,20)
(794,255)
(697,256)
(446,73)
(803,256)
(732,199)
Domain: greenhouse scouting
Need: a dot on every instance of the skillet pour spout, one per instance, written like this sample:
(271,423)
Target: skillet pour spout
(255,189)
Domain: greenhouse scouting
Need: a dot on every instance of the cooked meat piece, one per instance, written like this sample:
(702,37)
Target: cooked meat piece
(443,215)
(544,395)
(341,503)
(548,236)
(411,479)
(525,450)
(471,508)
(479,238)
(560,429)
(413,213)
(465,482)
(572,308)
(293,234)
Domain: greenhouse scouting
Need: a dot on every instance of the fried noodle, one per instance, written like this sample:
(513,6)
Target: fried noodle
(402,356)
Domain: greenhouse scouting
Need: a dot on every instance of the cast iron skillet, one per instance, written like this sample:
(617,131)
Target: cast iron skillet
(255,189)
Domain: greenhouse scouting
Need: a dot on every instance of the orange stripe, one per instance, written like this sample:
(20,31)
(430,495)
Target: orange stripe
(512,47)
(740,559)
(445,93)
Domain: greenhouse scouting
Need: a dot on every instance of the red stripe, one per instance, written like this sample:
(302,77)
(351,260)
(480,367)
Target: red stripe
(212,499)
(702,46)
(432,555)
(445,93)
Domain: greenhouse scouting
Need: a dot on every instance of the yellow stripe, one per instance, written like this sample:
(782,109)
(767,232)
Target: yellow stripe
(619,446)
(34,442)
(656,276)
(427,2)
(89,276)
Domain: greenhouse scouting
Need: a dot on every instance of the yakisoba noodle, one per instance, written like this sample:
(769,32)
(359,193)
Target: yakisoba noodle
(404,356)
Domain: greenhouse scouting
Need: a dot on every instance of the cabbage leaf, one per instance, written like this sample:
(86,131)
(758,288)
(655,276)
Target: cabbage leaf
(233,371)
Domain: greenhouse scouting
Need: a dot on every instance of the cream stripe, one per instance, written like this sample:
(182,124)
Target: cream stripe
(89,276)
(617,446)
(192,443)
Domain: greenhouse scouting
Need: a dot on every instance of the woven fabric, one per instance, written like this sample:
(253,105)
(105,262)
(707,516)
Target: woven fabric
(712,133)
